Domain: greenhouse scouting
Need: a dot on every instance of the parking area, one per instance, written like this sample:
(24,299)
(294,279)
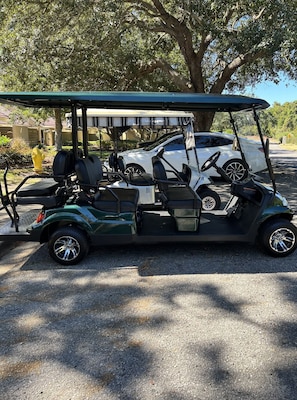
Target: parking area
(174,322)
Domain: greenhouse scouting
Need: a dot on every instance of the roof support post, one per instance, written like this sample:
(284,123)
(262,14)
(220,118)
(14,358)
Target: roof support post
(265,148)
(232,122)
(85,130)
(74,130)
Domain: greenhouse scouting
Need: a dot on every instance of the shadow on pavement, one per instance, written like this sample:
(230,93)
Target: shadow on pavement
(172,260)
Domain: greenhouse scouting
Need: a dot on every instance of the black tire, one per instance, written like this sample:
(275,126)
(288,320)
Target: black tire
(210,199)
(278,237)
(68,245)
(134,169)
(235,169)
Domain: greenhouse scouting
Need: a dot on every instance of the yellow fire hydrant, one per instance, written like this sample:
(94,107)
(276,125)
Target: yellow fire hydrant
(37,158)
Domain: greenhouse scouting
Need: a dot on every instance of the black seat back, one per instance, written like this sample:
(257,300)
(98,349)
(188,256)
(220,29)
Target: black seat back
(44,191)
(89,172)
(186,173)
(63,165)
(159,173)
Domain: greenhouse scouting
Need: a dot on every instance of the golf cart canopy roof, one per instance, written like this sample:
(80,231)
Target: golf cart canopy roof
(107,118)
(134,100)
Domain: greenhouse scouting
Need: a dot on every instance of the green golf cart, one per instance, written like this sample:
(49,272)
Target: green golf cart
(73,208)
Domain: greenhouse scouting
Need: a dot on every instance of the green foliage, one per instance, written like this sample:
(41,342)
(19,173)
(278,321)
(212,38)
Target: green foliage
(4,141)
(281,120)
(33,117)
(198,46)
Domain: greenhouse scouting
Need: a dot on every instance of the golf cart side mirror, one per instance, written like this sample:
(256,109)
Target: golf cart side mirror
(160,152)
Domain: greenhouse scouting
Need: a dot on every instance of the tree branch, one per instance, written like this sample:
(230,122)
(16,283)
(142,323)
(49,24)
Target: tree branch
(147,69)
(232,67)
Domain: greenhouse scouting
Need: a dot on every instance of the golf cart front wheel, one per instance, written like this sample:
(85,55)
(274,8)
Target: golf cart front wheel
(279,238)
(235,170)
(210,199)
(68,245)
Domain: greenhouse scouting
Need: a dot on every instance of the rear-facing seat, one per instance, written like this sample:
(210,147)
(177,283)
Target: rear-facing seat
(49,190)
(115,200)
(178,198)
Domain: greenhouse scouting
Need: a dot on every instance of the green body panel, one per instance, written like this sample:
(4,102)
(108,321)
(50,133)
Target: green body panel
(277,206)
(89,219)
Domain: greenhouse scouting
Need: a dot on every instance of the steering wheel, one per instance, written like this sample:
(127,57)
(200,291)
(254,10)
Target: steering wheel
(211,161)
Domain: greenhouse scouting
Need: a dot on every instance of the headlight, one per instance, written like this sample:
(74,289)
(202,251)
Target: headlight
(281,199)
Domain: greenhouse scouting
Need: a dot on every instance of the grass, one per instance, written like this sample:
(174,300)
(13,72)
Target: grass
(290,146)
(15,176)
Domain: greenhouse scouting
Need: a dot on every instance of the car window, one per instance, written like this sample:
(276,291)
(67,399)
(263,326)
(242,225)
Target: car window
(174,145)
(202,141)
(221,141)
(159,141)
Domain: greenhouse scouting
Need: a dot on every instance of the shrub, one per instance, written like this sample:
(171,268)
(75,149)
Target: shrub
(16,153)
(4,140)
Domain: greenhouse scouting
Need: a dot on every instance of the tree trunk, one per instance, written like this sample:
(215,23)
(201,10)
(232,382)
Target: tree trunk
(203,121)
(58,129)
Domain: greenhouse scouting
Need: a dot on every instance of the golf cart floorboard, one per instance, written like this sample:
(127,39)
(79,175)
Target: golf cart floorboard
(161,227)
(8,231)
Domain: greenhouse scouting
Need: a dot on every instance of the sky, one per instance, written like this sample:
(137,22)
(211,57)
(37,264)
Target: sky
(285,91)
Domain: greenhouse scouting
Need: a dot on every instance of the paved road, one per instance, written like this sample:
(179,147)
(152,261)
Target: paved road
(172,323)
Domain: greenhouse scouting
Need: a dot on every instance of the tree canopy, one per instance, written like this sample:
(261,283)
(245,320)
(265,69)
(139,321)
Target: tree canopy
(209,46)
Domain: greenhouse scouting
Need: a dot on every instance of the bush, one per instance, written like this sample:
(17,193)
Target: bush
(4,140)
(16,153)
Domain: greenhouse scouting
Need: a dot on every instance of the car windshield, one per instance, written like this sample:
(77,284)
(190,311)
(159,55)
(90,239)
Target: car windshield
(161,140)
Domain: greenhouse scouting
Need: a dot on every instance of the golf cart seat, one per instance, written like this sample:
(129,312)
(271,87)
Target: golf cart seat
(178,198)
(89,173)
(115,200)
(49,190)
(186,173)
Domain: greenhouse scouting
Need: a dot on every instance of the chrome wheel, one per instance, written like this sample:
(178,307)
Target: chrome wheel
(66,248)
(134,169)
(279,237)
(235,170)
(68,245)
(282,240)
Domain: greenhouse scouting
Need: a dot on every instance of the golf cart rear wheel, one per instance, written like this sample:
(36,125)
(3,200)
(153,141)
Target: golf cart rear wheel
(68,245)
(210,199)
(134,169)
(235,170)
(279,238)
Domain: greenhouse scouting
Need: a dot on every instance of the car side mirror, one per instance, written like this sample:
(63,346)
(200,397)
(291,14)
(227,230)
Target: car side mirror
(160,152)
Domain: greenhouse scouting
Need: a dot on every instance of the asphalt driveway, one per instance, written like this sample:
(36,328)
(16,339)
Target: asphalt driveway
(158,322)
